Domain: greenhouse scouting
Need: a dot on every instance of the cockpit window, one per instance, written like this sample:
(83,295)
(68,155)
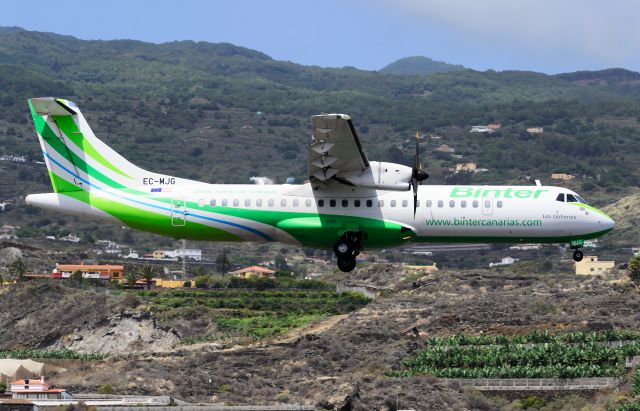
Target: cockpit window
(571,199)
(580,199)
(560,197)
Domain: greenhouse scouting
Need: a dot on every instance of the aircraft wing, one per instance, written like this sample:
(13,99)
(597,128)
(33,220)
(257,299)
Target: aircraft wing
(335,149)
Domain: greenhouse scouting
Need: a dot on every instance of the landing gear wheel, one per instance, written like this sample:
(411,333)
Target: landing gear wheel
(577,255)
(346,264)
(343,248)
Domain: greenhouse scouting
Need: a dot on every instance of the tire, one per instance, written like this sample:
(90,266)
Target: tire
(343,248)
(577,255)
(346,264)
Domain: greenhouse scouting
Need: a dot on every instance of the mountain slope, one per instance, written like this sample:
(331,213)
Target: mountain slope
(419,65)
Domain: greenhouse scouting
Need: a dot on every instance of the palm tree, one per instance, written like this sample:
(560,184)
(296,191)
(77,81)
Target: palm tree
(17,270)
(147,272)
(130,277)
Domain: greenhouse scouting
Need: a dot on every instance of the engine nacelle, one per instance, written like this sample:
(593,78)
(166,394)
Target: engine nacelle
(383,176)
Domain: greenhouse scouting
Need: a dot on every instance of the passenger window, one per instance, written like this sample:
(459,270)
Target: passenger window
(356,203)
(487,204)
(560,197)
(283,202)
(452,203)
(440,203)
(296,202)
(320,203)
(247,203)
(332,203)
(212,203)
(393,203)
(259,202)
(307,202)
(499,203)
(417,203)
(428,203)
(405,203)
(380,203)
(571,199)
(345,203)
(224,202)
(272,202)
(463,203)
(236,202)
(369,203)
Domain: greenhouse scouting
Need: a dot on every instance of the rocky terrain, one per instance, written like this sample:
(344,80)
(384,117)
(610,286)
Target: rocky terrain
(338,364)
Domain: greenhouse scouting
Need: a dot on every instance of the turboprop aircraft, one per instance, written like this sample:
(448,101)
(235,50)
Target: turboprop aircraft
(350,204)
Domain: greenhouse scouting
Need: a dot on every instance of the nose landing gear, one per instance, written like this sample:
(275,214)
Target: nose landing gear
(346,249)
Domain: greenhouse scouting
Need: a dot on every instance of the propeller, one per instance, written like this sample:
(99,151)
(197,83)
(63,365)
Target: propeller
(417,174)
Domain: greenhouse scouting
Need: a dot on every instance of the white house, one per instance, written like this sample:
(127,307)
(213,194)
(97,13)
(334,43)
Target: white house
(481,129)
(188,253)
(35,389)
(504,261)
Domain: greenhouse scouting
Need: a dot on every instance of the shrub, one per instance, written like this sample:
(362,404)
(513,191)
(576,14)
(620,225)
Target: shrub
(635,382)
(105,389)
(187,284)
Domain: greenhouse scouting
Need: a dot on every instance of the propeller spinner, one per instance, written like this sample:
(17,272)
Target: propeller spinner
(417,174)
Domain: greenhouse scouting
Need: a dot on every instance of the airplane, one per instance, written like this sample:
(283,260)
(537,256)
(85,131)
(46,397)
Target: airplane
(349,204)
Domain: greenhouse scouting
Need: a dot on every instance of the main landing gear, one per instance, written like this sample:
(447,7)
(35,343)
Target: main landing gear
(346,249)
(577,255)
(575,246)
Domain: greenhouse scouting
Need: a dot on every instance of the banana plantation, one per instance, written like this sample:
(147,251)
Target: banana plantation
(535,355)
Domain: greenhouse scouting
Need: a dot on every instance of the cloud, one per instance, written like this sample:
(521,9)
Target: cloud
(591,31)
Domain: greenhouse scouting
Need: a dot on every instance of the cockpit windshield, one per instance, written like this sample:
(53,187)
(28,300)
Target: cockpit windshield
(570,198)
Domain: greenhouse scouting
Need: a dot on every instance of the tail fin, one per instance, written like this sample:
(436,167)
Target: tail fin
(75,158)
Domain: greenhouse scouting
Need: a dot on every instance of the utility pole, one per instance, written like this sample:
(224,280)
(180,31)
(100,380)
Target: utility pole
(184,258)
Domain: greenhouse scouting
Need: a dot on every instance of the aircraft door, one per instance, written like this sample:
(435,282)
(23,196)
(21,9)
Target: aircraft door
(178,212)
(487,206)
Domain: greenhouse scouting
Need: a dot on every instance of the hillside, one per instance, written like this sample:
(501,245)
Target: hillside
(419,65)
(222,113)
(345,361)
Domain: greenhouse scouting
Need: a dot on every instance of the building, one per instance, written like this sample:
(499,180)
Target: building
(562,176)
(109,247)
(535,130)
(194,254)
(445,149)
(165,283)
(253,271)
(35,389)
(98,271)
(495,126)
(17,405)
(590,265)
(481,129)
(469,167)
(504,261)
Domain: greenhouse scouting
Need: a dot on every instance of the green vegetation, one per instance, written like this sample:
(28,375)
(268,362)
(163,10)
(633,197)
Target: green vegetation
(105,389)
(255,311)
(535,337)
(535,355)
(51,354)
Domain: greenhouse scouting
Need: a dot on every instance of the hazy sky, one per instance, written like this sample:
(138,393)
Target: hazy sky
(542,35)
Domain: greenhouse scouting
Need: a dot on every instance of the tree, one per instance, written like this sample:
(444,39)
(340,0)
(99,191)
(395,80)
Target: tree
(130,277)
(147,272)
(17,270)
(280,263)
(222,263)
(634,269)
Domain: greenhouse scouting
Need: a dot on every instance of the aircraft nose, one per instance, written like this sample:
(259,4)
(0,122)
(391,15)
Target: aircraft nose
(609,223)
